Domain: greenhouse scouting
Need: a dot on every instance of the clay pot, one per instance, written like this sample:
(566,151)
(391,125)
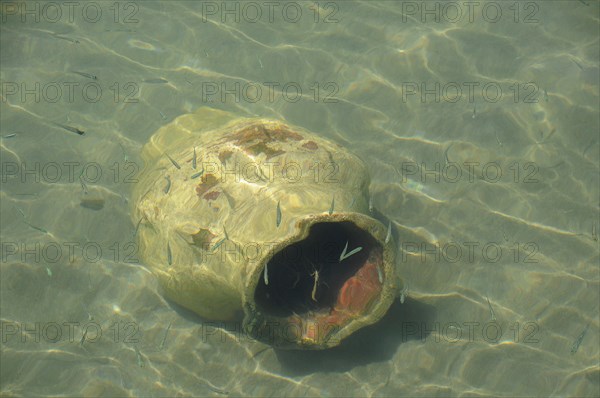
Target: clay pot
(251,216)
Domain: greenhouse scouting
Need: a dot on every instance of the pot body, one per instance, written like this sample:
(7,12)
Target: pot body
(252,215)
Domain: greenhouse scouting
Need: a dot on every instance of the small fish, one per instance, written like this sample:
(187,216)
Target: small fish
(93,77)
(474,113)
(194,160)
(403,294)
(262,175)
(173,161)
(266,347)
(71,129)
(545,95)
(198,174)
(120,30)
(492,315)
(168,187)
(169,256)
(278,220)
(155,81)
(313,294)
(576,63)
(65,38)
(379,275)
(162,343)
(20,211)
(259,62)
(230,200)
(594,233)
(266,275)
(124,154)
(48,271)
(26,222)
(83,186)
(37,228)
(550,135)
(162,115)
(370,204)
(344,256)
(332,205)
(138,225)
(218,244)
(10,135)
(577,342)
(83,337)
(389,232)
(225,232)
(497,139)
(138,355)
(446,153)
(344,251)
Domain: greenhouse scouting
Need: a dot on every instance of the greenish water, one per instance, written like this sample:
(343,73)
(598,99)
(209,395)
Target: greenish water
(481,134)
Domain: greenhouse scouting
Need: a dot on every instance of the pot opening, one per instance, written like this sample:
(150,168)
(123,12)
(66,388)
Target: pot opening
(307,283)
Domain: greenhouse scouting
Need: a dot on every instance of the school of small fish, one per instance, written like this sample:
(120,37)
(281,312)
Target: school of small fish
(344,256)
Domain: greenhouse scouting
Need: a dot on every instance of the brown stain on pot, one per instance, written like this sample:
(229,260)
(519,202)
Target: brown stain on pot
(208,182)
(259,132)
(203,238)
(259,138)
(224,156)
(261,147)
(310,145)
(212,195)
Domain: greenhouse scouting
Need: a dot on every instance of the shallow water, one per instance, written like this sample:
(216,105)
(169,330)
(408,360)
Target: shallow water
(495,195)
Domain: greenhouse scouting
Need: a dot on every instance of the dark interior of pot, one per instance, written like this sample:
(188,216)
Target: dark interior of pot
(307,280)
